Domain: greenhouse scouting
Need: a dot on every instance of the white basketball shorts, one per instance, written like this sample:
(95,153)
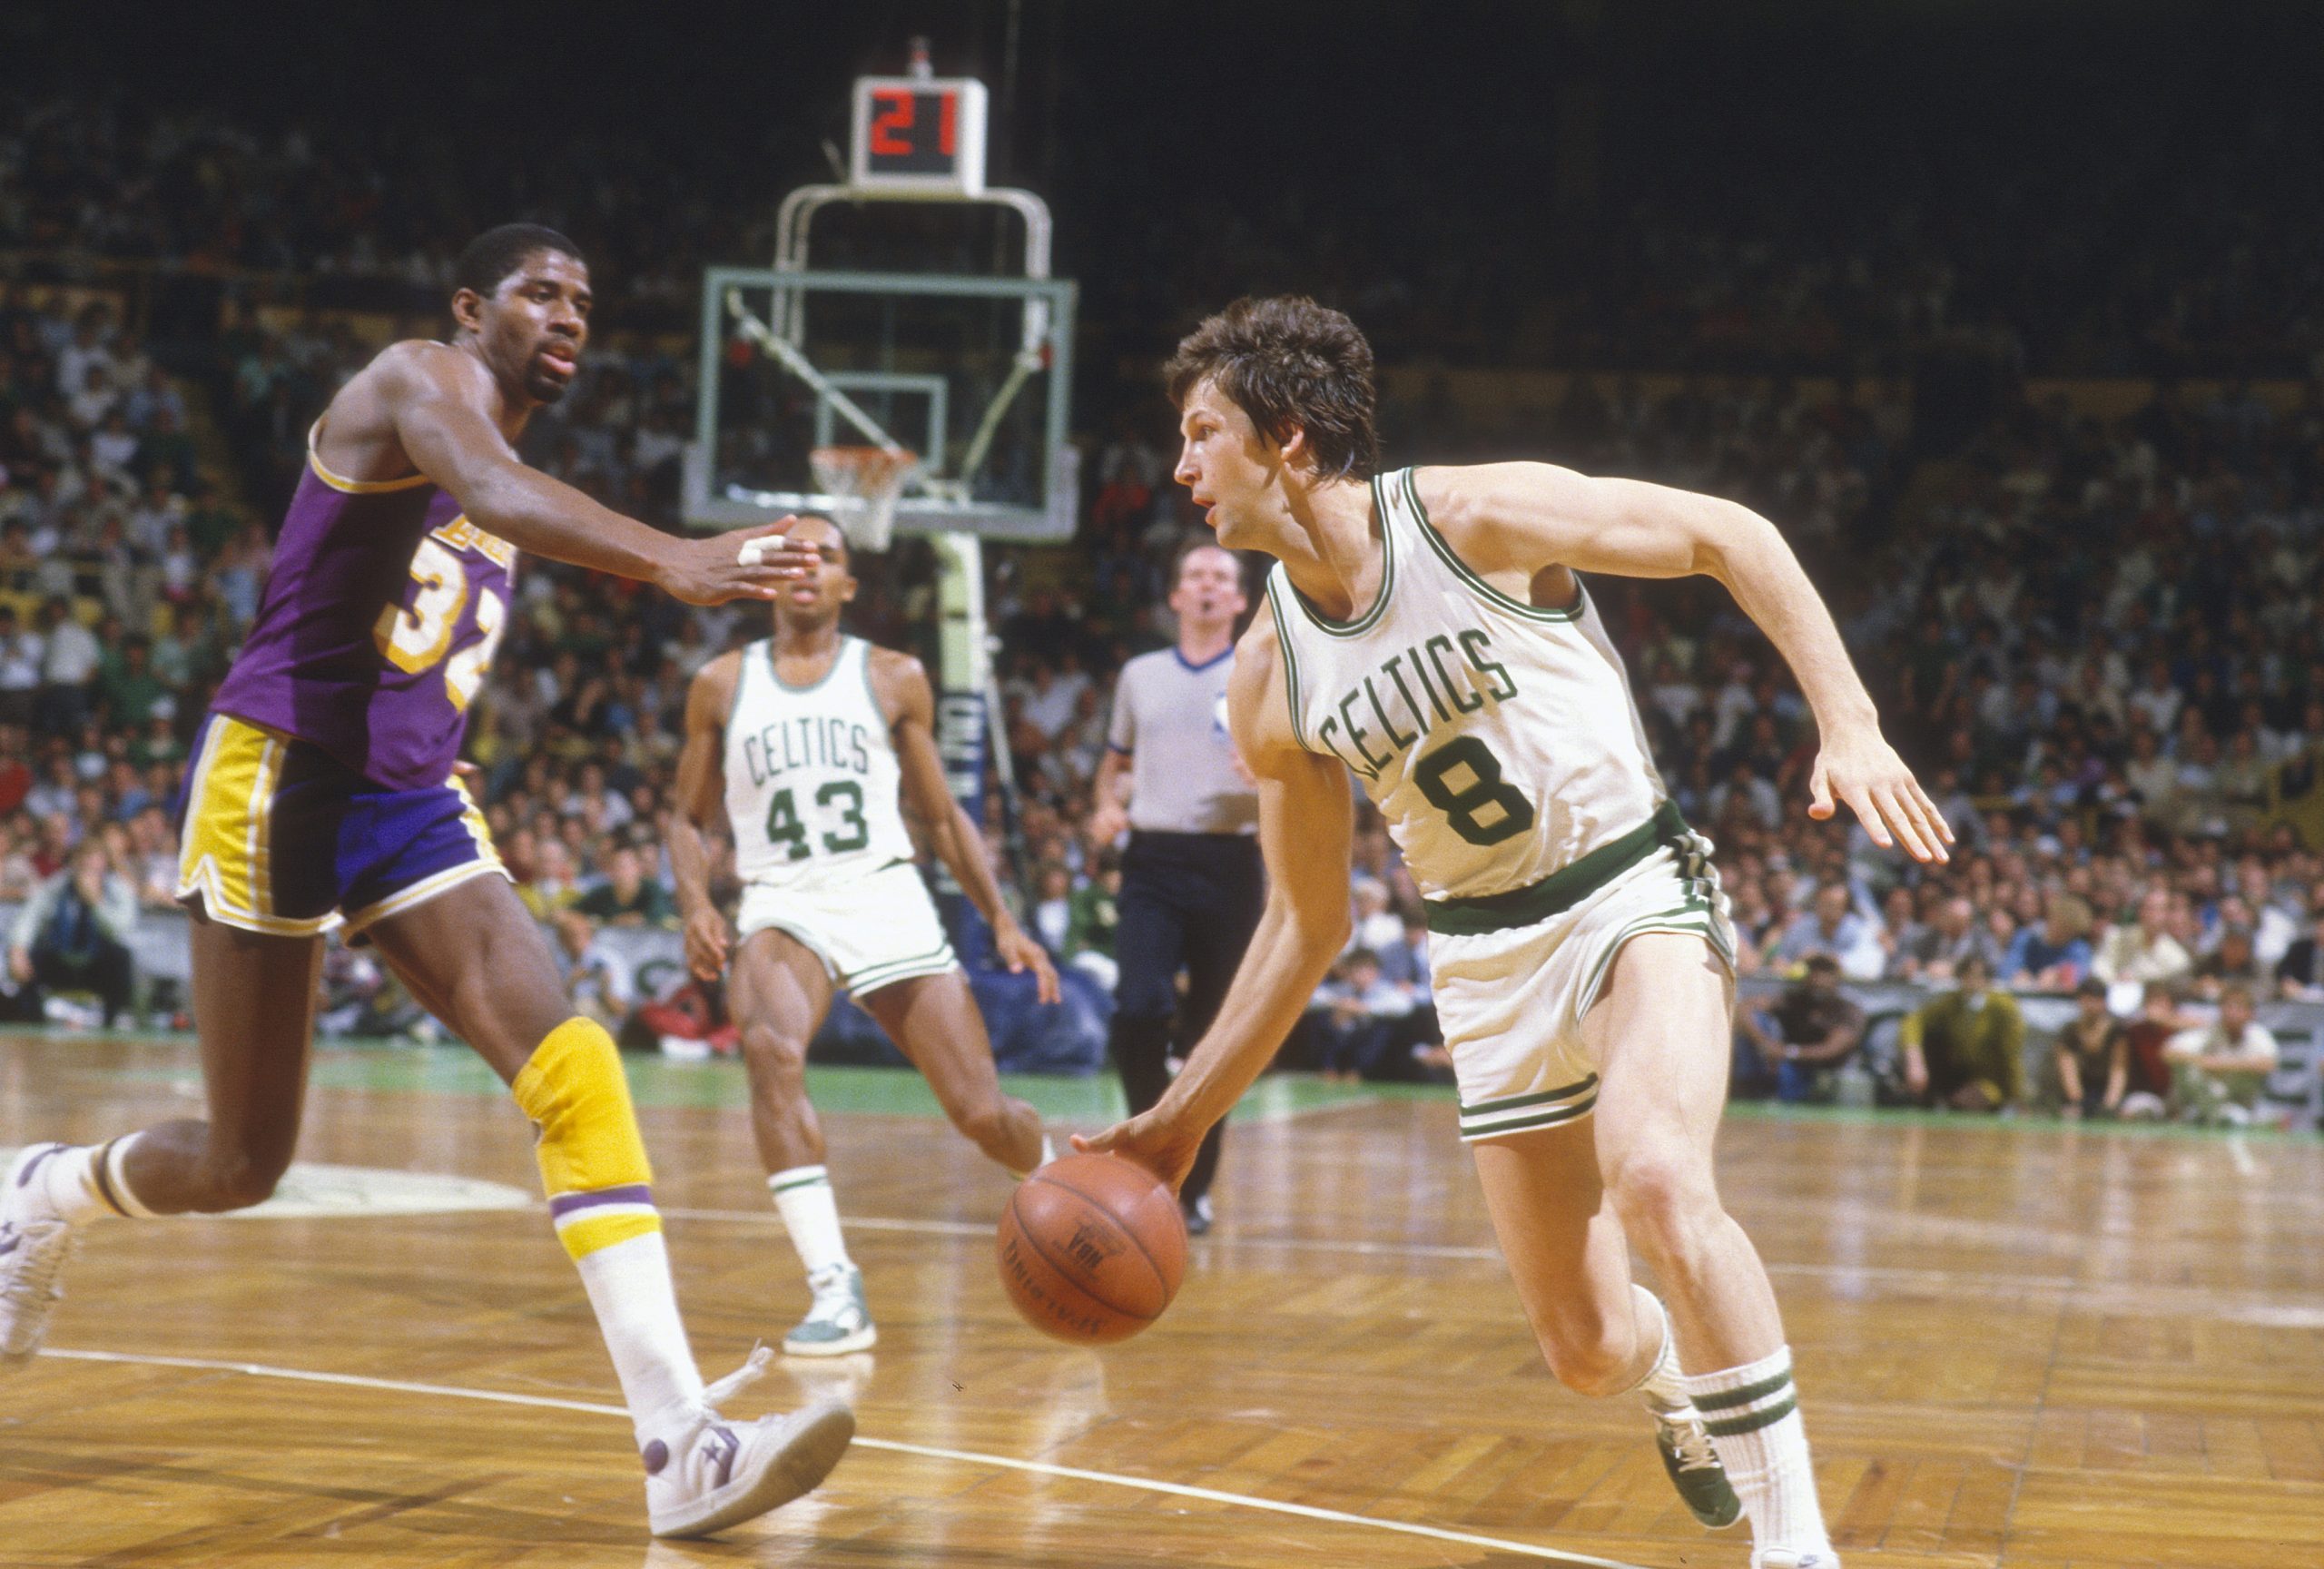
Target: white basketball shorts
(1511,1002)
(869,929)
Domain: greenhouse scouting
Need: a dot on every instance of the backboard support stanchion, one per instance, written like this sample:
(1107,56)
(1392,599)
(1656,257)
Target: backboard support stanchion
(919,138)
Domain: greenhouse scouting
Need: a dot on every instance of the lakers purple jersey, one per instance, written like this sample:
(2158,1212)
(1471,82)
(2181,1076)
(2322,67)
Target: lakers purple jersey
(377,622)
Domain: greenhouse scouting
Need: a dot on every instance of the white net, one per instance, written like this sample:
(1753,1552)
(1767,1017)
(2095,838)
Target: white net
(870,477)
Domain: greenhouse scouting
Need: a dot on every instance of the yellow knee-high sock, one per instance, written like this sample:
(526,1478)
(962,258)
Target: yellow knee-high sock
(593,1165)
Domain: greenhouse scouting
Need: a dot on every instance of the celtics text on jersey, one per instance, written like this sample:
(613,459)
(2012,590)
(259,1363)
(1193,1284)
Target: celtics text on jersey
(1499,739)
(812,774)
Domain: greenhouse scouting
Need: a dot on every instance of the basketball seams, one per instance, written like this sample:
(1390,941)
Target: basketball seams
(1032,1242)
(1135,1241)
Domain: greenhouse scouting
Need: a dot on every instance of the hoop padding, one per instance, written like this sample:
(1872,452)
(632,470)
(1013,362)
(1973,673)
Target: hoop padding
(871,476)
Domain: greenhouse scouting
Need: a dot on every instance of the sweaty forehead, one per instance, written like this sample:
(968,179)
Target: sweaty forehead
(550,267)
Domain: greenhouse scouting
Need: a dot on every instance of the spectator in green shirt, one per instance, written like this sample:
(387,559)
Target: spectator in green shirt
(128,687)
(627,897)
(1095,911)
(1965,1049)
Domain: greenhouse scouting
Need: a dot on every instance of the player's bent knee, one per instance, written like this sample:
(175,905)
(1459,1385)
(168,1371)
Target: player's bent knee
(1664,1200)
(985,1125)
(776,1055)
(1586,1360)
(240,1179)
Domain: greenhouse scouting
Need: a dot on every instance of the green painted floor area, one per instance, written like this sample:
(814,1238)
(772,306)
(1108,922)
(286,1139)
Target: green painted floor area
(395,1068)
(720,1085)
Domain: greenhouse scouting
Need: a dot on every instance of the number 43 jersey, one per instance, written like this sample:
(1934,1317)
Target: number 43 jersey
(1499,740)
(812,777)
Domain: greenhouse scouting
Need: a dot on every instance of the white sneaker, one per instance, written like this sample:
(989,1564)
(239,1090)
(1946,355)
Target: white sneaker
(717,1473)
(32,1256)
(1793,1558)
(837,1321)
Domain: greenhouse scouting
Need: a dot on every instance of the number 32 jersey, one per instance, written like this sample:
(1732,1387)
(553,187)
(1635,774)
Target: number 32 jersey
(812,784)
(1497,739)
(381,611)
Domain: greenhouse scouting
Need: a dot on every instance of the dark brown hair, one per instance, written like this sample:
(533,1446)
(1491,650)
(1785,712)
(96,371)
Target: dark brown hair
(1291,365)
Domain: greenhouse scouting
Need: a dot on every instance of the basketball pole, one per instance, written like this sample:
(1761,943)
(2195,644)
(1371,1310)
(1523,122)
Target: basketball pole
(916,138)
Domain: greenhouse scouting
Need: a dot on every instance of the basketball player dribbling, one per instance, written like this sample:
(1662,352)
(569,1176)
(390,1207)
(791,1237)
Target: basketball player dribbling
(321,797)
(1427,632)
(809,742)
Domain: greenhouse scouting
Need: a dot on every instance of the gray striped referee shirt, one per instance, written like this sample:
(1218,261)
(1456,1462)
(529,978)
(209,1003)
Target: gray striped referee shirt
(1171,716)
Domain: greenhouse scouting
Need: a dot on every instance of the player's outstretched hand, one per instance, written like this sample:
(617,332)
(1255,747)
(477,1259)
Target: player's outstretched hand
(747,564)
(1021,953)
(709,940)
(1862,769)
(1155,1140)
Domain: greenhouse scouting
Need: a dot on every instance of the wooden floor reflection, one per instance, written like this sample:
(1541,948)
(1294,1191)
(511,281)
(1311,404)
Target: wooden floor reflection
(2031,1346)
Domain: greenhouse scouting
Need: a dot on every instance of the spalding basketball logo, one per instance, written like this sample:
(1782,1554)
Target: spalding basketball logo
(1092,1245)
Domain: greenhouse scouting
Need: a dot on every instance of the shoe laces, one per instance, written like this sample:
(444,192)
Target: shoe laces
(1691,1442)
(835,1292)
(751,1370)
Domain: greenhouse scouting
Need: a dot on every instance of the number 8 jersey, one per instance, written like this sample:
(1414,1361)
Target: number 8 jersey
(812,784)
(1499,740)
(381,611)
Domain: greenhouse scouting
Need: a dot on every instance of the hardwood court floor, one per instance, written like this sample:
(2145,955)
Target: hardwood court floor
(2024,1344)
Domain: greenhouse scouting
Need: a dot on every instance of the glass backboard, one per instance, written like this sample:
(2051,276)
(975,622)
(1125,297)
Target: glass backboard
(970,374)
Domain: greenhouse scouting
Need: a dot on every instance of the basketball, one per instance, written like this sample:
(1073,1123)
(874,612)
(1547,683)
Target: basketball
(1092,1248)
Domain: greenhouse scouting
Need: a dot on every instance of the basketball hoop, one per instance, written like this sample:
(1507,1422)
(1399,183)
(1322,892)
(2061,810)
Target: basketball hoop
(872,479)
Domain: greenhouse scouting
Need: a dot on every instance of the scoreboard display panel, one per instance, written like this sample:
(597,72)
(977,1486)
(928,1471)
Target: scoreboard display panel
(920,133)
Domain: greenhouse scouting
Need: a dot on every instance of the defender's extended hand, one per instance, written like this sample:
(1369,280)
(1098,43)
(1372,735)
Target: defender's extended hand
(712,571)
(1863,770)
(1021,953)
(1155,1139)
(708,941)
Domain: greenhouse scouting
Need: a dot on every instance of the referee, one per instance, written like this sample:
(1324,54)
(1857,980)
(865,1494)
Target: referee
(1192,887)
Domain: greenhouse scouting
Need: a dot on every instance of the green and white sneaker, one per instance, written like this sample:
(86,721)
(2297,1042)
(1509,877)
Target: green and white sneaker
(1695,1469)
(838,1322)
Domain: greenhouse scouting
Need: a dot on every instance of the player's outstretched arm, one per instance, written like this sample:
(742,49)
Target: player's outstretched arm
(438,399)
(1307,831)
(1519,518)
(955,839)
(698,806)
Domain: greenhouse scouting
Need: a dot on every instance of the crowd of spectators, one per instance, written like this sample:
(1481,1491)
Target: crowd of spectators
(2096,635)
(2181,257)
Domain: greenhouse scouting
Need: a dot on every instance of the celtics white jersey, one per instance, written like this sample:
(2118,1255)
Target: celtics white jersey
(1499,740)
(811,777)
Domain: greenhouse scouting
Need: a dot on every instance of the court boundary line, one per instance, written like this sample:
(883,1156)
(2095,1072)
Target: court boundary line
(890,1445)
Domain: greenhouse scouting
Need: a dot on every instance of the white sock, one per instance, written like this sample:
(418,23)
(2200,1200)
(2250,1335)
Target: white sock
(1663,1386)
(629,1287)
(810,1211)
(76,1183)
(1752,1413)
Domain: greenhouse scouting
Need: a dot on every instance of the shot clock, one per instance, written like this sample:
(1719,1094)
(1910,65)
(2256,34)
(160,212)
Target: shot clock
(923,134)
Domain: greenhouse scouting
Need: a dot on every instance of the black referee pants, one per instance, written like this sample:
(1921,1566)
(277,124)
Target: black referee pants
(1190,901)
